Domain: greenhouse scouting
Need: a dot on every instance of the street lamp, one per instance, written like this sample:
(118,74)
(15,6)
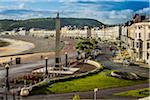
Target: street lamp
(95,90)
(66,58)
(46,64)
(7,81)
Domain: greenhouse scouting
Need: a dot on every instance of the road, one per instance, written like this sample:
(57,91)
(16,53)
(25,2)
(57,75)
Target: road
(27,68)
(101,94)
(106,61)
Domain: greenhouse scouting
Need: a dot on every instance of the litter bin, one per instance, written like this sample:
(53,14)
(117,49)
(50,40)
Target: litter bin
(18,60)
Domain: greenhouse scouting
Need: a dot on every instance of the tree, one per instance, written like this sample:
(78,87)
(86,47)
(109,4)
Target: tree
(86,45)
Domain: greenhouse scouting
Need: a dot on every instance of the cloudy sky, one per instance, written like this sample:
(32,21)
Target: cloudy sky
(106,11)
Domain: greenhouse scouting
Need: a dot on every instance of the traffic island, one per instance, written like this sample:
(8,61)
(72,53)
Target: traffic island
(39,78)
(99,79)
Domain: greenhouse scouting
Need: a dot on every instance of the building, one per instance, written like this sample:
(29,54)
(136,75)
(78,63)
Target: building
(108,33)
(20,31)
(69,31)
(138,36)
(41,32)
(105,33)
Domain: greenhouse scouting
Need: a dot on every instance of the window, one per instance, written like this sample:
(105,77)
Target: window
(133,44)
(139,35)
(137,45)
(141,45)
(148,55)
(148,45)
(149,35)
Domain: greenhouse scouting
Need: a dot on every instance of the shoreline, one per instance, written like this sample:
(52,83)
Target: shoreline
(15,47)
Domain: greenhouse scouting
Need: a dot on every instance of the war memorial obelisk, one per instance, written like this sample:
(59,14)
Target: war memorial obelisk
(57,43)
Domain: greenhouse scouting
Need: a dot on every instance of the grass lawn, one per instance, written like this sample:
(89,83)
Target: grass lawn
(100,80)
(136,93)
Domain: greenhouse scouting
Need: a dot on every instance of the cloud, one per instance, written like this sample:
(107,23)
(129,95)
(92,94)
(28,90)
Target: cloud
(25,0)
(108,13)
(107,17)
(22,6)
(13,7)
(66,1)
(144,11)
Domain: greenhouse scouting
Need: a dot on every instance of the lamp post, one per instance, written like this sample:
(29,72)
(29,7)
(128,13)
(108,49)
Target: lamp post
(66,58)
(46,65)
(7,81)
(95,90)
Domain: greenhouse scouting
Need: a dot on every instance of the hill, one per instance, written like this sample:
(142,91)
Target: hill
(47,23)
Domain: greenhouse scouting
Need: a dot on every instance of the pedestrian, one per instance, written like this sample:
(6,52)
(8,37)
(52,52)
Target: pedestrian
(41,57)
(11,61)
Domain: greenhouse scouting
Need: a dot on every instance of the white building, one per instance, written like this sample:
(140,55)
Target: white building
(15,31)
(41,32)
(69,32)
(139,41)
(109,33)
